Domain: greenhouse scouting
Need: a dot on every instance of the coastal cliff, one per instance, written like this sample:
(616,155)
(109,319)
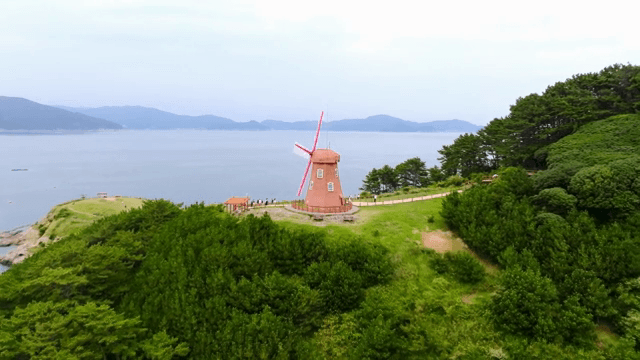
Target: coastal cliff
(23,241)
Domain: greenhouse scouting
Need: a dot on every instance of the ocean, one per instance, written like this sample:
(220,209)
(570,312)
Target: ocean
(184,166)
(4,250)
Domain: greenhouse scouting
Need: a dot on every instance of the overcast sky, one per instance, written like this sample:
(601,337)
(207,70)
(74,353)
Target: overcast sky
(288,60)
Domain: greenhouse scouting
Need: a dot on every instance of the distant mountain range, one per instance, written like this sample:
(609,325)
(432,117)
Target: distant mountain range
(22,114)
(378,123)
(138,117)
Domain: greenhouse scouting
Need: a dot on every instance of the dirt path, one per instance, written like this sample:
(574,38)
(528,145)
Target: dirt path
(400,201)
(442,241)
(280,213)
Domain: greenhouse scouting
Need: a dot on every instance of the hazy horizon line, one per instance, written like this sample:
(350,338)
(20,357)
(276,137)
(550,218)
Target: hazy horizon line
(259,121)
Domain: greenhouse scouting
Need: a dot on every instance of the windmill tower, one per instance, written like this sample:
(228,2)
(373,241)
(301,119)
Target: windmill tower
(324,193)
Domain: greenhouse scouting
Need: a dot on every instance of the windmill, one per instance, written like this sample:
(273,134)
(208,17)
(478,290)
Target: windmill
(324,193)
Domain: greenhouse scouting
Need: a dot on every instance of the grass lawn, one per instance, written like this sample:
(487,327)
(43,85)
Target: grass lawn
(72,216)
(414,192)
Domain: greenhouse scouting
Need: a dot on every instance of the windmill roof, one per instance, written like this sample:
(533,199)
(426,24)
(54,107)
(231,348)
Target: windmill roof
(325,156)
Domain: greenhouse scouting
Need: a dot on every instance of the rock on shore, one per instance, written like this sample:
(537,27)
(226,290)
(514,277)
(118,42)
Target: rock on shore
(25,240)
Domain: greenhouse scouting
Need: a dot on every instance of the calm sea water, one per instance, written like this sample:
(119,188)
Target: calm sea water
(184,166)
(4,250)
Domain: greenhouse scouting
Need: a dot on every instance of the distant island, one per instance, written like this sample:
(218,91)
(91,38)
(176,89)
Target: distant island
(23,114)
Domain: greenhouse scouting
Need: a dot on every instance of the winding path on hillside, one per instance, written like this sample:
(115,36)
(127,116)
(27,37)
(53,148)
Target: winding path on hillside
(400,201)
(371,203)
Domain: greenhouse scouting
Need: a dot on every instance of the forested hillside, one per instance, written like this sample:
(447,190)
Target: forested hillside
(568,236)
(537,120)
(159,282)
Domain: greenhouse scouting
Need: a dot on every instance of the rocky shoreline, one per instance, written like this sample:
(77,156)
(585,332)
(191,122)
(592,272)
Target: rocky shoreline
(24,242)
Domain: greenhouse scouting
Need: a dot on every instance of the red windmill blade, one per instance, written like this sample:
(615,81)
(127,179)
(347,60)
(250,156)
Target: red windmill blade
(315,143)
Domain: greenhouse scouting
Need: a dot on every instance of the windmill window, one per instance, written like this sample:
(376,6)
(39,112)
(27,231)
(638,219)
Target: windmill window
(330,186)
(320,173)
(310,184)
(336,172)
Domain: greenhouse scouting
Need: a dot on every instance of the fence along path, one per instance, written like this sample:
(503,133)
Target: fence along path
(400,201)
(371,203)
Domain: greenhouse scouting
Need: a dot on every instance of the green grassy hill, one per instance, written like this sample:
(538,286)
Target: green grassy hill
(70,217)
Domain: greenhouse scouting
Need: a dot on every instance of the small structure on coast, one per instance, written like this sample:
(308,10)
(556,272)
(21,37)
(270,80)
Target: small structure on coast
(237,204)
(324,193)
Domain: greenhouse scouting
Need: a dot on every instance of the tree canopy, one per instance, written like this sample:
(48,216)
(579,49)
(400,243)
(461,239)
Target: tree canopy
(538,120)
(162,282)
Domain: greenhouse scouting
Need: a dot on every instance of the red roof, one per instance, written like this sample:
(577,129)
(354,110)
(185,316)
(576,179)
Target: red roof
(325,156)
(237,201)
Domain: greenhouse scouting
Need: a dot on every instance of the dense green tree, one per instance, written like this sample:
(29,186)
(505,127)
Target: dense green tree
(613,189)
(412,172)
(538,120)
(371,182)
(48,330)
(340,287)
(461,265)
(464,156)
(388,178)
(526,303)
(557,176)
(256,336)
(370,260)
(555,200)
(436,174)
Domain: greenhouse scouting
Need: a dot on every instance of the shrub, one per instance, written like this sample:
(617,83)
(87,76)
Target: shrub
(369,260)
(42,229)
(438,263)
(461,265)
(610,189)
(465,268)
(431,219)
(557,176)
(454,180)
(513,180)
(340,287)
(365,194)
(555,200)
(477,177)
(63,213)
(526,303)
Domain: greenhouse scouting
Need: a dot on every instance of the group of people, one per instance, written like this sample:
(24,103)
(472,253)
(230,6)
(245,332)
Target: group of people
(261,202)
(357,197)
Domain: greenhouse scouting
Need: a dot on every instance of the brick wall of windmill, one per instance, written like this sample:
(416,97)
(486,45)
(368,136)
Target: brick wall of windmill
(319,193)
